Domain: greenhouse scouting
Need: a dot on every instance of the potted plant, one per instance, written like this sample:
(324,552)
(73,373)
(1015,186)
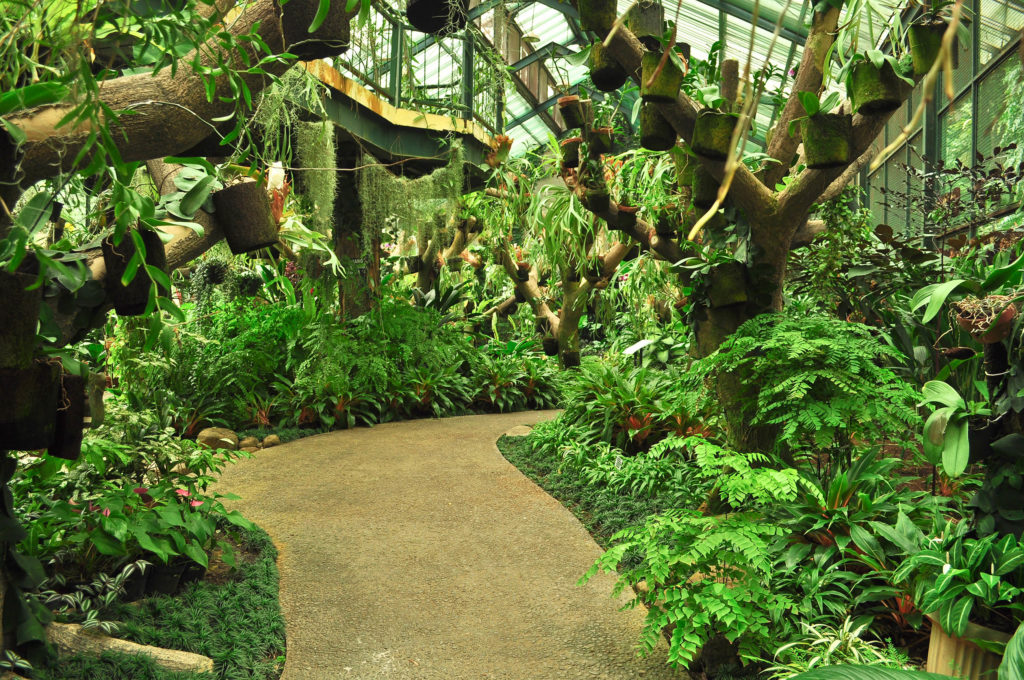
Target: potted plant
(661,76)
(595,191)
(573,110)
(656,133)
(244,212)
(27,418)
(705,187)
(627,216)
(67,436)
(437,17)
(826,136)
(571,152)
(646,20)
(605,71)
(712,134)
(988,319)
(600,140)
(597,15)
(874,82)
(924,34)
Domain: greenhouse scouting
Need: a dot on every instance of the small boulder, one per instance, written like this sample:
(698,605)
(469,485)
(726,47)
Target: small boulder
(249,442)
(250,449)
(271,440)
(218,438)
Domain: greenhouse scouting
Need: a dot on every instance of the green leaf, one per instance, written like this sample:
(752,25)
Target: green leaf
(1000,276)
(942,393)
(956,451)
(105,543)
(196,553)
(37,94)
(1012,667)
(935,433)
(938,298)
(321,15)
(957,616)
(580,58)
(196,196)
(809,100)
(855,672)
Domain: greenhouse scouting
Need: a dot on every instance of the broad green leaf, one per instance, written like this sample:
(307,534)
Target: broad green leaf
(579,58)
(957,616)
(938,298)
(33,95)
(809,100)
(998,277)
(956,452)
(855,672)
(935,434)
(105,543)
(1012,667)
(942,393)
(196,196)
(196,553)
(321,15)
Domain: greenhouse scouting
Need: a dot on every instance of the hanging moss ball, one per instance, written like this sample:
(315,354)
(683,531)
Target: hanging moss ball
(712,134)
(874,91)
(606,73)
(656,133)
(827,140)
(665,84)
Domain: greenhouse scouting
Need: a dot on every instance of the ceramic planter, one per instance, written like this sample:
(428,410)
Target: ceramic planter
(437,17)
(712,134)
(665,84)
(958,657)
(656,133)
(571,108)
(600,141)
(597,15)
(27,414)
(705,188)
(627,216)
(243,211)
(827,140)
(131,299)
(571,152)
(19,315)
(925,40)
(606,73)
(646,20)
(67,435)
(873,91)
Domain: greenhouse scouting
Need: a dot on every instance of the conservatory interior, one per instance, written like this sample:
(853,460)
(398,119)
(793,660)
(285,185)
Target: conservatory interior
(513,339)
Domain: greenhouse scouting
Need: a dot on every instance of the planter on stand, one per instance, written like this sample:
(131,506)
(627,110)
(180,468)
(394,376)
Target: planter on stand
(570,359)
(656,133)
(550,346)
(659,86)
(437,17)
(827,140)
(606,73)
(961,658)
(874,91)
(712,134)
(988,319)
(596,199)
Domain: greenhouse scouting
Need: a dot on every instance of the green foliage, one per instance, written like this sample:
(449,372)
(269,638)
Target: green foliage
(821,645)
(817,380)
(317,177)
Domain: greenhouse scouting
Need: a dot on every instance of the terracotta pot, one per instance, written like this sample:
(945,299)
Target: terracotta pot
(986,332)
(712,134)
(437,17)
(874,91)
(606,73)
(571,108)
(656,133)
(571,152)
(665,86)
(925,40)
(958,657)
(827,140)
(600,141)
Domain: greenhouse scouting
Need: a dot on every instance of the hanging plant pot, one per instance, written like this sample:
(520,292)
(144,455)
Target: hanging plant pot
(656,133)
(330,39)
(665,226)
(705,187)
(925,41)
(597,15)
(131,299)
(19,316)
(523,272)
(947,653)
(596,199)
(988,319)
(437,17)
(571,152)
(570,359)
(67,435)
(600,141)
(827,140)
(646,20)
(550,346)
(665,84)
(727,284)
(572,110)
(627,216)
(243,210)
(27,413)
(606,73)
(712,134)
(873,91)
(414,264)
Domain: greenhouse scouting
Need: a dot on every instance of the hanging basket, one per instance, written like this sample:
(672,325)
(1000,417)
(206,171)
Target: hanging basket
(646,20)
(331,38)
(131,299)
(656,133)
(925,41)
(988,320)
(665,226)
(437,17)
(596,199)
(827,140)
(627,216)
(712,134)
(27,413)
(600,141)
(571,152)
(243,211)
(874,91)
(705,188)
(19,315)
(572,110)
(727,285)
(550,346)
(597,15)
(67,435)
(665,86)
(523,273)
(606,73)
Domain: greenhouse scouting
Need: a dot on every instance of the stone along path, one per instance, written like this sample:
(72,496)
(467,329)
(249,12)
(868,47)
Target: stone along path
(415,550)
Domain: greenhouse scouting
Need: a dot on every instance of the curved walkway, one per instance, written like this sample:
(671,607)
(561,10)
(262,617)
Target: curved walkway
(414,550)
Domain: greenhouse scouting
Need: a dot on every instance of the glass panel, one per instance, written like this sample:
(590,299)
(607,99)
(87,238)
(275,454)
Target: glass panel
(994,126)
(955,132)
(1001,21)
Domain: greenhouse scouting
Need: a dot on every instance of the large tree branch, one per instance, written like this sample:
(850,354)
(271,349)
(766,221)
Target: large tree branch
(809,78)
(530,290)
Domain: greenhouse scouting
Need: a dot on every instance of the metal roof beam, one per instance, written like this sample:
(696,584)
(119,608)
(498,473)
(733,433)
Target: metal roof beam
(793,30)
(552,49)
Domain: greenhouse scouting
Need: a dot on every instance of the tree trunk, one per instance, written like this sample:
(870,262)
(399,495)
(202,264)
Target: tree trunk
(354,290)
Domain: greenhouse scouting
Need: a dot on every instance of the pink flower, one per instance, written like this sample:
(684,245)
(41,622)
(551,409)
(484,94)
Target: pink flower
(106,512)
(140,490)
(196,504)
(184,493)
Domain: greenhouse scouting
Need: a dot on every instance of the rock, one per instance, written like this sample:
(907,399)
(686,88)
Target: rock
(249,449)
(180,469)
(271,440)
(218,438)
(249,442)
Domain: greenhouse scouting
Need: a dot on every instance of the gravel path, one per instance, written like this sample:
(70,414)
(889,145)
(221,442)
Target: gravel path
(415,550)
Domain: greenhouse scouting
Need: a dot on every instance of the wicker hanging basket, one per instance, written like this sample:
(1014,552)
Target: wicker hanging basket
(243,211)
